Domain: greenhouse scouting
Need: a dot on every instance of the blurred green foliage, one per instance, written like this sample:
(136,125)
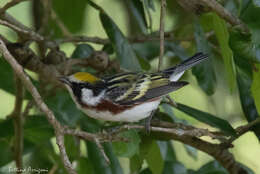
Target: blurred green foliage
(228,47)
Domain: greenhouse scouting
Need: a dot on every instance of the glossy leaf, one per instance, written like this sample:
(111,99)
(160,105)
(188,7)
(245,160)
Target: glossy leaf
(71,14)
(212,167)
(221,31)
(72,147)
(255,89)
(145,65)
(42,157)
(151,153)
(150,4)
(95,156)
(244,82)
(243,46)
(6,128)
(84,166)
(64,108)
(136,163)
(191,151)
(124,50)
(6,73)
(6,152)
(174,167)
(204,71)
(247,169)
(148,50)
(167,150)
(82,51)
(137,9)
(37,129)
(257,3)
(127,149)
(207,118)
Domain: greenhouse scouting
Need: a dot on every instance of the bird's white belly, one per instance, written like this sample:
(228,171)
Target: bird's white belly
(134,114)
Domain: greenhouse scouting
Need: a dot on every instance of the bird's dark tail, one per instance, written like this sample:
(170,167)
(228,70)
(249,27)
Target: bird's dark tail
(176,71)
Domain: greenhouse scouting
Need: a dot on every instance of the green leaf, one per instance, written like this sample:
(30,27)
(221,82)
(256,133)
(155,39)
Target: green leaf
(124,50)
(243,46)
(108,48)
(191,151)
(72,147)
(255,89)
(145,65)
(212,167)
(256,3)
(95,156)
(167,151)
(244,83)
(136,163)
(82,51)
(37,129)
(127,149)
(115,165)
(221,31)
(6,152)
(6,128)
(148,50)
(64,108)
(42,157)
(71,14)
(151,49)
(137,9)
(248,170)
(204,72)
(174,167)
(151,153)
(84,166)
(207,118)
(7,74)
(150,4)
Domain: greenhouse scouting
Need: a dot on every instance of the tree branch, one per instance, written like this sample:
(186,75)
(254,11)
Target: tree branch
(163,6)
(225,14)
(42,106)
(18,125)
(199,6)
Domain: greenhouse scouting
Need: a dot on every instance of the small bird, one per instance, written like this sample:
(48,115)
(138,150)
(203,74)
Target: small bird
(126,97)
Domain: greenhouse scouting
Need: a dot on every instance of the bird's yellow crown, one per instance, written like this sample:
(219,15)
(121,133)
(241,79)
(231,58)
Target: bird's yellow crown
(85,77)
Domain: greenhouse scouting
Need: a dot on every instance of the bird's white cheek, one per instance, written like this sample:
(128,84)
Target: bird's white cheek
(89,99)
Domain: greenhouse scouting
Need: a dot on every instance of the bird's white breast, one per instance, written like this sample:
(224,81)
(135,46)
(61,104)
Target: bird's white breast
(133,114)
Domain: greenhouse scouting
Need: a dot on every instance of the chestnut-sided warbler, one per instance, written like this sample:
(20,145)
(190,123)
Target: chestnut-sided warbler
(126,97)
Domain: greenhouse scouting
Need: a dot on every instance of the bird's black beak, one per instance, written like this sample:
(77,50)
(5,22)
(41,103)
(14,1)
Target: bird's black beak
(64,80)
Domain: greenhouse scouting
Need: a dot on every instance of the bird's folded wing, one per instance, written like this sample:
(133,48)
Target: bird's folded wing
(141,88)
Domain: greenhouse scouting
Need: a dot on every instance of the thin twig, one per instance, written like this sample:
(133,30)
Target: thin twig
(101,148)
(243,129)
(96,40)
(225,14)
(163,6)
(31,34)
(18,125)
(59,22)
(42,106)
(27,109)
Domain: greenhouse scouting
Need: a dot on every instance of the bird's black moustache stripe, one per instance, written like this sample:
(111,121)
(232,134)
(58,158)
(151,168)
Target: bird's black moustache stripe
(96,88)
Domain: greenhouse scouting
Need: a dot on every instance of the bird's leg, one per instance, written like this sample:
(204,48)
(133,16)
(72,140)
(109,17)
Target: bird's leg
(147,122)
